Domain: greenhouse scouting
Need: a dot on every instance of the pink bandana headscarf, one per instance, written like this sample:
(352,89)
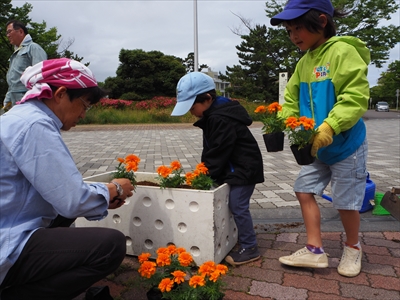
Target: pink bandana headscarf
(57,72)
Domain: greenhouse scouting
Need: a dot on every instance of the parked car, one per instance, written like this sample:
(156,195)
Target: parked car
(382,106)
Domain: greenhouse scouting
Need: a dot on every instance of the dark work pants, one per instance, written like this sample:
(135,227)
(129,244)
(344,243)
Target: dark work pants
(239,204)
(61,263)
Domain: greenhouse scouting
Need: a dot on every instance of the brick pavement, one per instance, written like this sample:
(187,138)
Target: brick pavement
(275,211)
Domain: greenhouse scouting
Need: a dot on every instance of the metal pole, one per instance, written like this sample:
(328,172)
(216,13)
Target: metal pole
(196,50)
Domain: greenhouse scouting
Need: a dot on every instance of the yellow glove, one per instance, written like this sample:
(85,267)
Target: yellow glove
(323,138)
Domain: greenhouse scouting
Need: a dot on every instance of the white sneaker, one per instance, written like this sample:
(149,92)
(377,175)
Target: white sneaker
(350,263)
(305,258)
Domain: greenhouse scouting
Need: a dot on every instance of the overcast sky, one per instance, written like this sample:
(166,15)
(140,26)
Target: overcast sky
(102,28)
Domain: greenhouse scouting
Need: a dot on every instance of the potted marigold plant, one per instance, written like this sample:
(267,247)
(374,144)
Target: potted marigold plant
(301,133)
(170,177)
(126,168)
(199,179)
(173,276)
(273,126)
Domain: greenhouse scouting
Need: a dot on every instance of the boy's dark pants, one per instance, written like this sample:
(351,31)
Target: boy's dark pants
(62,262)
(239,204)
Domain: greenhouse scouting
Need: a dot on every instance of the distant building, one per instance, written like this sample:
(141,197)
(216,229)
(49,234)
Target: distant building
(220,85)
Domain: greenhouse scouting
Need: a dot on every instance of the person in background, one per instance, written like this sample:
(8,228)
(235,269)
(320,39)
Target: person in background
(26,53)
(329,85)
(42,192)
(230,152)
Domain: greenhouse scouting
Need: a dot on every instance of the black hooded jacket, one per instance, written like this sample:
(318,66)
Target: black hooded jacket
(230,151)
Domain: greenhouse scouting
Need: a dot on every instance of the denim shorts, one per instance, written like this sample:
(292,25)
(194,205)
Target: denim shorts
(347,178)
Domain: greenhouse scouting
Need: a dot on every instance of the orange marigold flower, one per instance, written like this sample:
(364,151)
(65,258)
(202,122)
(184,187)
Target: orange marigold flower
(171,249)
(274,107)
(292,122)
(164,171)
(131,166)
(222,269)
(189,177)
(147,269)
(308,123)
(185,259)
(180,250)
(207,268)
(166,285)
(202,168)
(162,250)
(121,160)
(214,276)
(260,109)
(179,276)
(176,165)
(144,257)
(197,280)
(132,158)
(163,260)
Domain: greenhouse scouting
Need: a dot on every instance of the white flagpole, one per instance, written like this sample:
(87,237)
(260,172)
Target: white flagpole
(196,50)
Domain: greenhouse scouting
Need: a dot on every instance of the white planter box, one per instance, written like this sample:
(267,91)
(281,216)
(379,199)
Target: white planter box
(199,221)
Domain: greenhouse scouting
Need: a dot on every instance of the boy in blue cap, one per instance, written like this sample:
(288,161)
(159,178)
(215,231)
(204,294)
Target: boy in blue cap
(329,85)
(230,152)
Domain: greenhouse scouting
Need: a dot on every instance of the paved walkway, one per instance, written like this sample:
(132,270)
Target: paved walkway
(274,208)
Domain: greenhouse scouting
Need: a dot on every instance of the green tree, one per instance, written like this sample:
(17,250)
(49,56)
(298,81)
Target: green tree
(48,39)
(142,75)
(264,52)
(387,85)
(188,62)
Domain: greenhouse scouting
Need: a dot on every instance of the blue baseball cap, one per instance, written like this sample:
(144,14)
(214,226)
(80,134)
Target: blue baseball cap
(189,87)
(297,8)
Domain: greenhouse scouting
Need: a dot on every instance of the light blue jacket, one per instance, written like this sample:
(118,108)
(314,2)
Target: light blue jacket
(330,85)
(38,179)
(27,54)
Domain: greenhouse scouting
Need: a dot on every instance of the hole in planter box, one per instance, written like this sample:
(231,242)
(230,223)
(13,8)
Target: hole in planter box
(159,224)
(128,241)
(219,249)
(227,240)
(223,224)
(193,206)
(146,201)
(137,221)
(195,251)
(116,219)
(148,244)
(170,204)
(182,227)
(219,204)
